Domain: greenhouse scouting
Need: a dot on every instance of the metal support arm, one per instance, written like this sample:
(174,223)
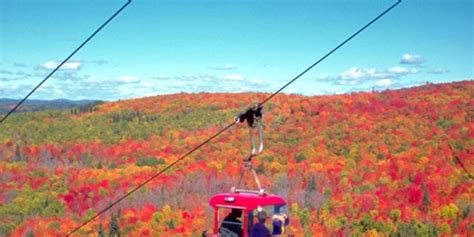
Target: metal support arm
(253,116)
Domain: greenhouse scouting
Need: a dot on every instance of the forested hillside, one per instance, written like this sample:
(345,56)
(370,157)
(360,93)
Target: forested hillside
(39,105)
(393,163)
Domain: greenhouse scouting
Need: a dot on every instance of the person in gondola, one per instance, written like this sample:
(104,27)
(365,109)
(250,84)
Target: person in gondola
(231,225)
(280,221)
(259,229)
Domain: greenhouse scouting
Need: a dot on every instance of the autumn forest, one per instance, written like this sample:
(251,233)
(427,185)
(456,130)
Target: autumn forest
(387,163)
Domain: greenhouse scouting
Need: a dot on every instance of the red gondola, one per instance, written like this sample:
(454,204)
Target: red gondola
(246,205)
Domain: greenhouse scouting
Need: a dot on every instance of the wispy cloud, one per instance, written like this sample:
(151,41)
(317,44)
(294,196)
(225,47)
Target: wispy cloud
(75,85)
(7,75)
(18,64)
(161,78)
(228,66)
(5,72)
(438,71)
(50,65)
(412,59)
(100,62)
(358,74)
(128,79)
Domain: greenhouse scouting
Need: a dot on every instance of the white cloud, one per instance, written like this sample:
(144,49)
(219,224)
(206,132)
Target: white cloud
(58,92)
(324,78)
(356,73)
(384,82)
(208,83)
(233,77)
(412,59)
(258,82)
(356,76)
(50,65)
(399,70)
(353,73)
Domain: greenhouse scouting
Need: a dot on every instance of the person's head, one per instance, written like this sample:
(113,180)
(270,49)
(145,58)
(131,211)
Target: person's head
(262,216)
(236,212)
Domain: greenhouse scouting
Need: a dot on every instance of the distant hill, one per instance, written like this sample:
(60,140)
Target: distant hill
(40,105)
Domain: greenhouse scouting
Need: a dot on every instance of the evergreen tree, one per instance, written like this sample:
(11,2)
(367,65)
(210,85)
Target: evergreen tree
(310,193)
(101,230)
(17,156)
(312,184)
(113,226)
(426,198)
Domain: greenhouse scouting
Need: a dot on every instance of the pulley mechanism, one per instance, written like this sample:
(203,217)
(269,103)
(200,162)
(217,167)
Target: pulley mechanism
(253,116)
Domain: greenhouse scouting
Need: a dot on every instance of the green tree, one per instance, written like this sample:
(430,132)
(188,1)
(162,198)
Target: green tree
(449,211)
(53,208)
(171,223)
(149,161)
(415,228)
(305,220)
(395,214)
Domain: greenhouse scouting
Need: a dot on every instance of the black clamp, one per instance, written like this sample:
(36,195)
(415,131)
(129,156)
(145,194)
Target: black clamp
(251,114)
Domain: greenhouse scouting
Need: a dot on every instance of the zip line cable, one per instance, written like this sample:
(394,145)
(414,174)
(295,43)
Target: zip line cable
(331,52)
(233,123)
(64,61)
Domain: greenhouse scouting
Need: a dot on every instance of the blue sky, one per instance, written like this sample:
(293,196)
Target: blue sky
(161,47)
